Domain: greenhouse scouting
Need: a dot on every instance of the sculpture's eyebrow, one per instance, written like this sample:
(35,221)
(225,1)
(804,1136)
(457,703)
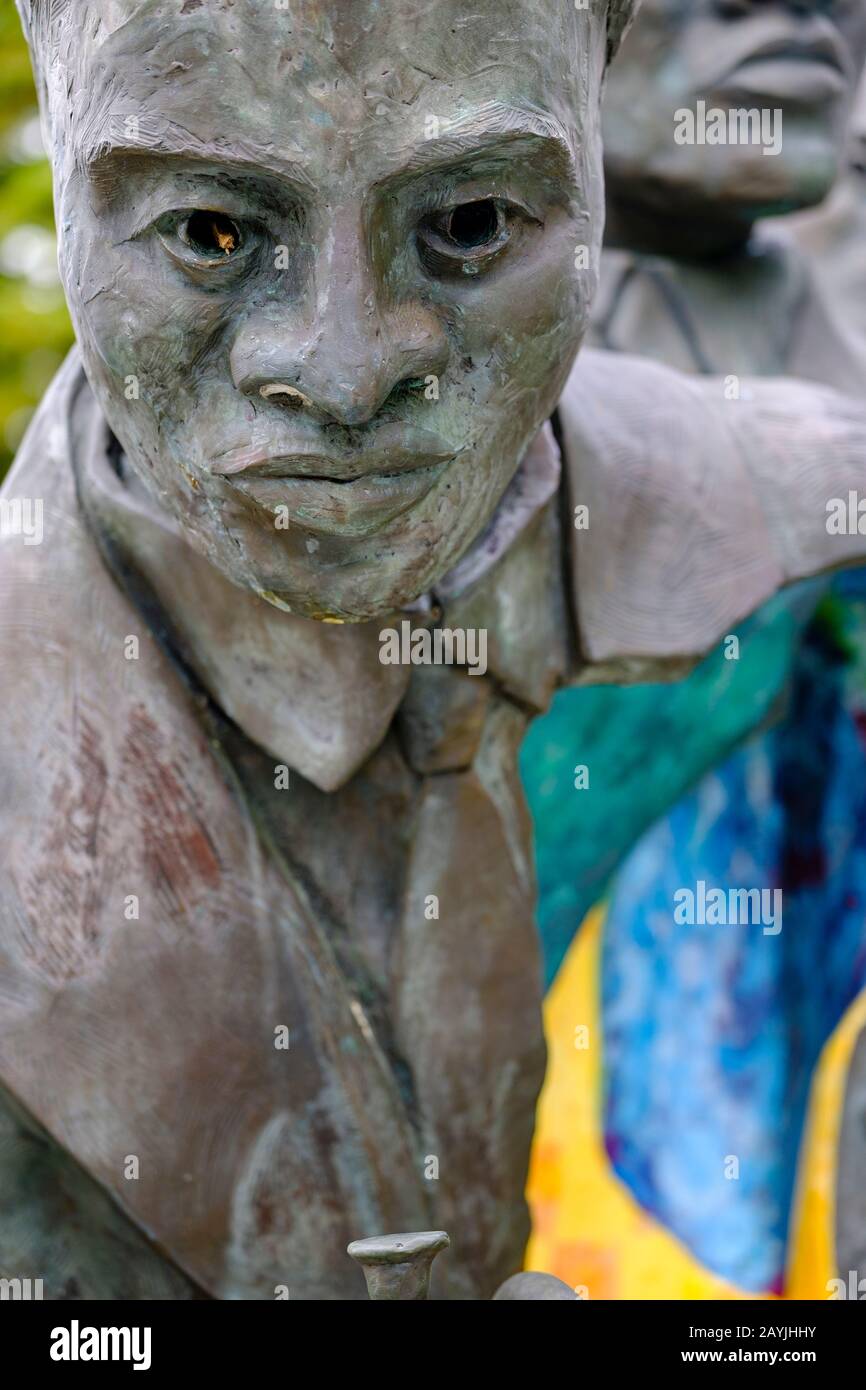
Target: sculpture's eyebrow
(497,131)
(494,132)
(174,143)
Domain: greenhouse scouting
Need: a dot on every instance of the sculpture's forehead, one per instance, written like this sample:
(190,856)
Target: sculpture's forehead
(318,73)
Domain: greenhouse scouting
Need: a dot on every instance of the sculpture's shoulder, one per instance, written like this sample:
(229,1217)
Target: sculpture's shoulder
(97,729)
(702,496)
(50,576)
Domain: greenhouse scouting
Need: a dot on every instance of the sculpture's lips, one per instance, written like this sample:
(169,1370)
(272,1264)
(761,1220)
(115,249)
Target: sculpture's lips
(825,49)
(347,492)
(795,69)
(333,506)
(393,451)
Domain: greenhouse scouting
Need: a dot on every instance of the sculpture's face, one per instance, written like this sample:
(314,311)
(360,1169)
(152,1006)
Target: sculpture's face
(799,57)
(321,262)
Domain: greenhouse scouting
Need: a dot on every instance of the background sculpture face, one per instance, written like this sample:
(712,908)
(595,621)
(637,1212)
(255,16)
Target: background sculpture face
(376,207)
(802,57)
(857,134)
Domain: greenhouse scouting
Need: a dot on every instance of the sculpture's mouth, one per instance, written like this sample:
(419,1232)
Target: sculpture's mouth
(795,70)
(339,506)
(339,490)
(394,449)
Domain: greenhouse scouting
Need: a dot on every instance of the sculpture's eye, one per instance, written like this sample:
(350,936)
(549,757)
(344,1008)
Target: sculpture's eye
(466,236)
(210,234)
(472,225)
(202,241)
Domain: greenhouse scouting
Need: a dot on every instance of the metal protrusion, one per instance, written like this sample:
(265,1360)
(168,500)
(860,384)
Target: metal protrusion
(398,1267)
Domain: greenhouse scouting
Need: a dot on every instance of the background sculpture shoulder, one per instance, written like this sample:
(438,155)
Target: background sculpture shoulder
(699,507)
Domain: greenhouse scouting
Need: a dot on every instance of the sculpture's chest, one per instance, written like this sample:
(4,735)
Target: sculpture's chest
(270,1019)
(420,872)
(760,314)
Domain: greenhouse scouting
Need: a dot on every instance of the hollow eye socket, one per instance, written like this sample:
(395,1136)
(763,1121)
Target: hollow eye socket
(465,239)
(210,234)
(473,225)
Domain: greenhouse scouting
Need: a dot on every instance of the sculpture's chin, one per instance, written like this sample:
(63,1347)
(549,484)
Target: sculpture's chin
(348,583)
(328,610)
(304,608)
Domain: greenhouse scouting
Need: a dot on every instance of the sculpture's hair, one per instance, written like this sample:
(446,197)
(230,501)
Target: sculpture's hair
(36,16)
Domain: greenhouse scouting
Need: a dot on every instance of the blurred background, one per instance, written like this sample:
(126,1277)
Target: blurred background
(35,332)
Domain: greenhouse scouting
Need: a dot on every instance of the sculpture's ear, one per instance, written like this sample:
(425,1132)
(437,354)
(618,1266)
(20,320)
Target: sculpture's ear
(620,14)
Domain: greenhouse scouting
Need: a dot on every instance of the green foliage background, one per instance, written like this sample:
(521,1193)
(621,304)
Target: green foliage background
(35,331)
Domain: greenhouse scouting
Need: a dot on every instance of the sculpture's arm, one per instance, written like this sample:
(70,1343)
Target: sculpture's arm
(698,506)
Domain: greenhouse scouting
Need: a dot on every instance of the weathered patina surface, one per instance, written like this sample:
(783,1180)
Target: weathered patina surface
(259,284)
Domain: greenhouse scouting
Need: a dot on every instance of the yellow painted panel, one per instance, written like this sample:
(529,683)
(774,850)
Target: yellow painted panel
(587,1228)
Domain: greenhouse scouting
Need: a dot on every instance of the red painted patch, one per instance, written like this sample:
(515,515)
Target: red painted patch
(178,849)
(62,890)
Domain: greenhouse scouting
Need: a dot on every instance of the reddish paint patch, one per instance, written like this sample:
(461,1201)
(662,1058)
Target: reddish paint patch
(177,848)
(61,893)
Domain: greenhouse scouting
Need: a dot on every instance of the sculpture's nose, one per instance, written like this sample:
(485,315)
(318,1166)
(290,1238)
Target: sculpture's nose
(349,348)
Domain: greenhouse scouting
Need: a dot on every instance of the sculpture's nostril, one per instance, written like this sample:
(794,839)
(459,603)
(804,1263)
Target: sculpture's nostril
(293,396)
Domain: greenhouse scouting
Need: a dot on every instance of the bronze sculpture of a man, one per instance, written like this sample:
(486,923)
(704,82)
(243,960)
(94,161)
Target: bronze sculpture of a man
(269,968)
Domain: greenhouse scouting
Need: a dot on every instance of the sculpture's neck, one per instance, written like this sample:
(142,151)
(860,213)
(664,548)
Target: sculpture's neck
(314,695)
(636,226)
